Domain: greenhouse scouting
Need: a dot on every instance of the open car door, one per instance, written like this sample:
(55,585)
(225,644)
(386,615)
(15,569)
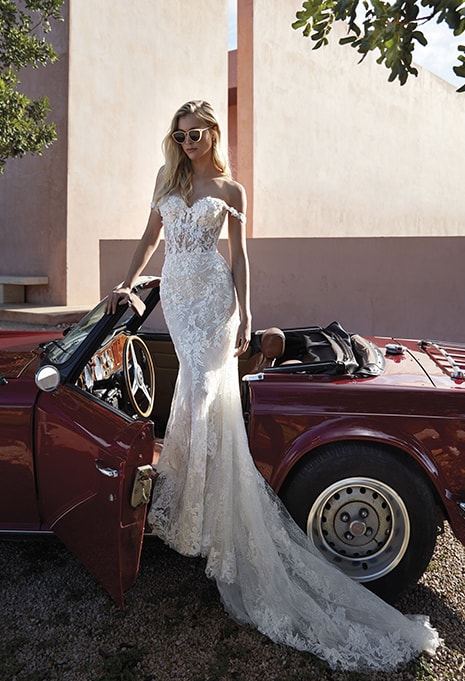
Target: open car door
(89,463)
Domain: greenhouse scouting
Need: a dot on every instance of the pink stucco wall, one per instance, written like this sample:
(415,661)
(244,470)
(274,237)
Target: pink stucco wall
(335,149)
(133,64)
(370,285)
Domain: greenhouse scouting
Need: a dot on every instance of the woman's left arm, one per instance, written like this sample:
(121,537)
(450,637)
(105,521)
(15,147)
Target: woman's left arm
(240,269)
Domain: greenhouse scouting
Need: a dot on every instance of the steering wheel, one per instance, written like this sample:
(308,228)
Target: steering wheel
(139,375)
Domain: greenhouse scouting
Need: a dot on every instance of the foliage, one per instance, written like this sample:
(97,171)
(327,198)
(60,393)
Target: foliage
(23,26)
(391,27)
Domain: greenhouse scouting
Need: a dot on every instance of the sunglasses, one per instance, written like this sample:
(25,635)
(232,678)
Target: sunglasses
(194,135)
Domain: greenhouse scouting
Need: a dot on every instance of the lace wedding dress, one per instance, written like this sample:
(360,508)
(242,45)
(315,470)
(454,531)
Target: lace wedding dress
(210,500)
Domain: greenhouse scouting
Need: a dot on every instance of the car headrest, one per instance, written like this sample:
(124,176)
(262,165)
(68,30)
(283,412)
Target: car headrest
(272,343)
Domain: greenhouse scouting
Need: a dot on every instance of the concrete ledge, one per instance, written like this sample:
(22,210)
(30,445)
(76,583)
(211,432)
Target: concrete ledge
(13,287)
(60,315)
(15,280)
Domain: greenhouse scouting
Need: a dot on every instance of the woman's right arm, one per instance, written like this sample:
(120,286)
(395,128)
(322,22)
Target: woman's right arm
(145,249)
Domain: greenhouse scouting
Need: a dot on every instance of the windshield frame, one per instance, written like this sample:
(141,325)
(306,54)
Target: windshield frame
(70,353)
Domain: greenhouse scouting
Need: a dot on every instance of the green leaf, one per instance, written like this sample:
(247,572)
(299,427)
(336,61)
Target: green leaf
(419,37)
(23,125)
(322,42)
(390,27)
(299,24)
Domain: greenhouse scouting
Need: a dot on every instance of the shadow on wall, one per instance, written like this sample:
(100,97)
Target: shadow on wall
(392,286)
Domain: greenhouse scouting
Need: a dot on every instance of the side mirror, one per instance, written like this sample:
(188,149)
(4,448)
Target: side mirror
(47,378)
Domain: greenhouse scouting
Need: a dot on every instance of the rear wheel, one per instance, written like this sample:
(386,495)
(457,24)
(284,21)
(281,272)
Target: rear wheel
(369,511)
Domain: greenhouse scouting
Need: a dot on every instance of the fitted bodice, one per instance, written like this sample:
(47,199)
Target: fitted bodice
(194,229)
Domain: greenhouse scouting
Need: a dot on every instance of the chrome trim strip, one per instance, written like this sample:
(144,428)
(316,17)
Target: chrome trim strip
(109,472)
(253,377)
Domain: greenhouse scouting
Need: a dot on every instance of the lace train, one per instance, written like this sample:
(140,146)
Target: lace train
(210,500)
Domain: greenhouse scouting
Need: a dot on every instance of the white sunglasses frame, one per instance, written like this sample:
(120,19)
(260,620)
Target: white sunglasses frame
(187,135)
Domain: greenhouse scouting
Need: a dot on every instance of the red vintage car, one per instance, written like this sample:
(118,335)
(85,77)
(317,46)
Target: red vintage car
(362,438)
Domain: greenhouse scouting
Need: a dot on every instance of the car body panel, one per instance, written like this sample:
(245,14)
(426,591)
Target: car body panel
(443,362)
(25,340)
(74,459)
(292,416)
(13,364)
(88,457)
(18,498)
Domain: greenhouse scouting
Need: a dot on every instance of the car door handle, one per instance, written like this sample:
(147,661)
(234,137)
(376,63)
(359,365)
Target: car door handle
(109,472)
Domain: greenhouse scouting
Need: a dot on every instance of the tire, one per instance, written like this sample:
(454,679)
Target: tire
(368,510)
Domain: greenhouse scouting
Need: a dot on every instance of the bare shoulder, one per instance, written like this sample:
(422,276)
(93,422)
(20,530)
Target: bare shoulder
(235,194)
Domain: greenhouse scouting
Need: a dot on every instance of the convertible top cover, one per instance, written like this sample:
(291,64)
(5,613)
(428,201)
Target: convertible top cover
(329,350)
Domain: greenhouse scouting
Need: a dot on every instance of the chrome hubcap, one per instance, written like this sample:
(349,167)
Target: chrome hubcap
(362,525)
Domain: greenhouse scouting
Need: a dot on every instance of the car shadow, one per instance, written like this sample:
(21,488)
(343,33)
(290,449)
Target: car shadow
(439,607)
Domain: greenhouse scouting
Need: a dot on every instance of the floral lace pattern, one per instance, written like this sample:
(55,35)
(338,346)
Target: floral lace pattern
(209,498)
(196,228)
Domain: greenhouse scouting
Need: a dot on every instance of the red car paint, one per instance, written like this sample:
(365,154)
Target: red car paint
(68,460)
(50,445)
(289,421)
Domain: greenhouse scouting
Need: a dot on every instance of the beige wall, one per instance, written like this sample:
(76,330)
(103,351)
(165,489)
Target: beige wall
(339,151)
(134,62)
(396,286)
(131,64)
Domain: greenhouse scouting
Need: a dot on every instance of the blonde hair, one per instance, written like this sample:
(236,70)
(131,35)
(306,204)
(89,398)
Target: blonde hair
(176,174)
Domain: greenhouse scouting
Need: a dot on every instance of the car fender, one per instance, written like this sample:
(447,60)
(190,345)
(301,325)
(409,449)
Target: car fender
(344,428)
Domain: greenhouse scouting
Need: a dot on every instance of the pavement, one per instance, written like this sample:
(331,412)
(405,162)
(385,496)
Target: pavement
(35,317)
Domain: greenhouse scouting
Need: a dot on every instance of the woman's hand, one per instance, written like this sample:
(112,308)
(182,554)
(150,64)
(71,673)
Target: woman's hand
(119,296)
(243,337)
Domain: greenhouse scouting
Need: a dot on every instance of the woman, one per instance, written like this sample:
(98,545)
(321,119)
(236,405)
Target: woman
(209,499)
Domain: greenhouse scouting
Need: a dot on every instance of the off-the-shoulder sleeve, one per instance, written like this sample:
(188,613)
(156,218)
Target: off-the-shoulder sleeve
(236,214)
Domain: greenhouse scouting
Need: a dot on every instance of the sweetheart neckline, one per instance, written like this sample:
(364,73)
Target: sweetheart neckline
(234,212)
(202,198)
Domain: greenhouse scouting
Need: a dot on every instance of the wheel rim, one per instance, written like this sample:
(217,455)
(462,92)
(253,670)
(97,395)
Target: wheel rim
(361,525)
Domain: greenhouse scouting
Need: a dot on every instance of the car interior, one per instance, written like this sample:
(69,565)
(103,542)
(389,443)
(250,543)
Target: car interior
(137,374)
